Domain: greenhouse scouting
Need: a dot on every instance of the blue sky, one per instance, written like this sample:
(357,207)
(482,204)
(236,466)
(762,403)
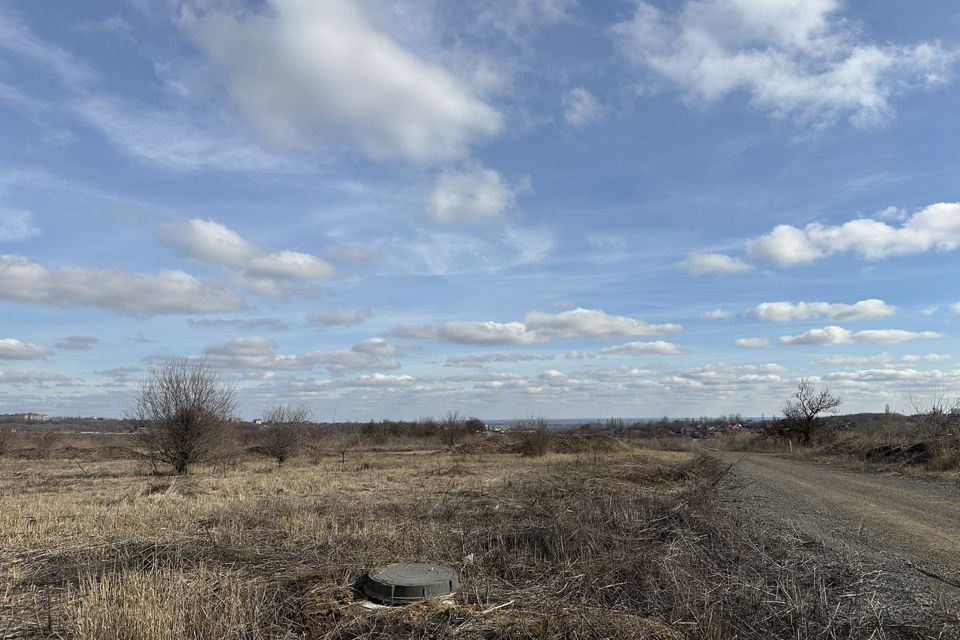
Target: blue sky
(506,208)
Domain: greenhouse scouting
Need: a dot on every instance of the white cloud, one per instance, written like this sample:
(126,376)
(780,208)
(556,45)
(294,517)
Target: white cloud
(659,347)
(447,252)
(929,357)
(23,280)
(848,360)
(13,349)
(347,316)
(581,108)
(519,17)
(468,332)
(889,374)
(936,227)
(256,352)
(314,72)
(179,141)
(955,308)
(77,343)
(929,311)
(17,226)
(702,263)
(375,346)
(474,194)
(833,335)
(752,343)
(592,323)
(486,358)
(790,311)
(796,59)
(270,324)
(30,377)
(718,314)
(258,269)
(17,37)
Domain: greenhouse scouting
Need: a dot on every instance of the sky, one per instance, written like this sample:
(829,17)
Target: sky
(507,208)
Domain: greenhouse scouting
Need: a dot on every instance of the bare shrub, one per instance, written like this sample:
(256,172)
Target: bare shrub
(284,432)
(6,441)
(802,412)
(535,437)
(180,414)
(935,417)
(452,428)
(47,442)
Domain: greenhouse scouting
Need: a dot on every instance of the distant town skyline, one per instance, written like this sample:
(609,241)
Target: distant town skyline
(396,208)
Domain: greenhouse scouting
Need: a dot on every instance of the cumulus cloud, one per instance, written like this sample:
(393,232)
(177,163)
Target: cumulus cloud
(347,316)
(592,323)
(936,227)
(474,194)
(790,311)
(469,332)
(77,343)
(247,324)
(718,314)
(752,343)
(659,347)
(797,60)
(23,280)
(581,108)
(258,269)
(315,72)
(258,353)
(17,226)
(13,349)
(833,335)
(720,263)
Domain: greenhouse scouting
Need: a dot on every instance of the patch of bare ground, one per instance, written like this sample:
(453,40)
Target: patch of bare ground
(628,544)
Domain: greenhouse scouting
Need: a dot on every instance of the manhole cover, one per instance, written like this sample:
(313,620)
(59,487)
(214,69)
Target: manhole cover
(403,583)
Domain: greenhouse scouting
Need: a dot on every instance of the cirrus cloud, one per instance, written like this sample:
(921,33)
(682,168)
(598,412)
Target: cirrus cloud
(797,60)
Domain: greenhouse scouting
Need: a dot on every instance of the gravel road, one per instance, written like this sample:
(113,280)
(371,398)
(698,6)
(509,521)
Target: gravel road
(909,528)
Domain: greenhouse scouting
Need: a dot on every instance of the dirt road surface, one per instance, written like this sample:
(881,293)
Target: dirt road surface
(908,528)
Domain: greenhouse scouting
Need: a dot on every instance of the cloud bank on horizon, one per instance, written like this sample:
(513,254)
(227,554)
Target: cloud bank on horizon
(521,207)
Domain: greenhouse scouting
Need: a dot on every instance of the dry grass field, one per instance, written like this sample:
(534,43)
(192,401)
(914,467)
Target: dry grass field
(625,543)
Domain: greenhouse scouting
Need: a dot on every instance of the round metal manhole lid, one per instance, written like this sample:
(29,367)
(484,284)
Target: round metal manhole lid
(405,583)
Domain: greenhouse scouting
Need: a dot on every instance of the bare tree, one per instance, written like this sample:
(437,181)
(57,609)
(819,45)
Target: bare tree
(284,432)
(802,411)
(935,418)
(180,413)
(452,428)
